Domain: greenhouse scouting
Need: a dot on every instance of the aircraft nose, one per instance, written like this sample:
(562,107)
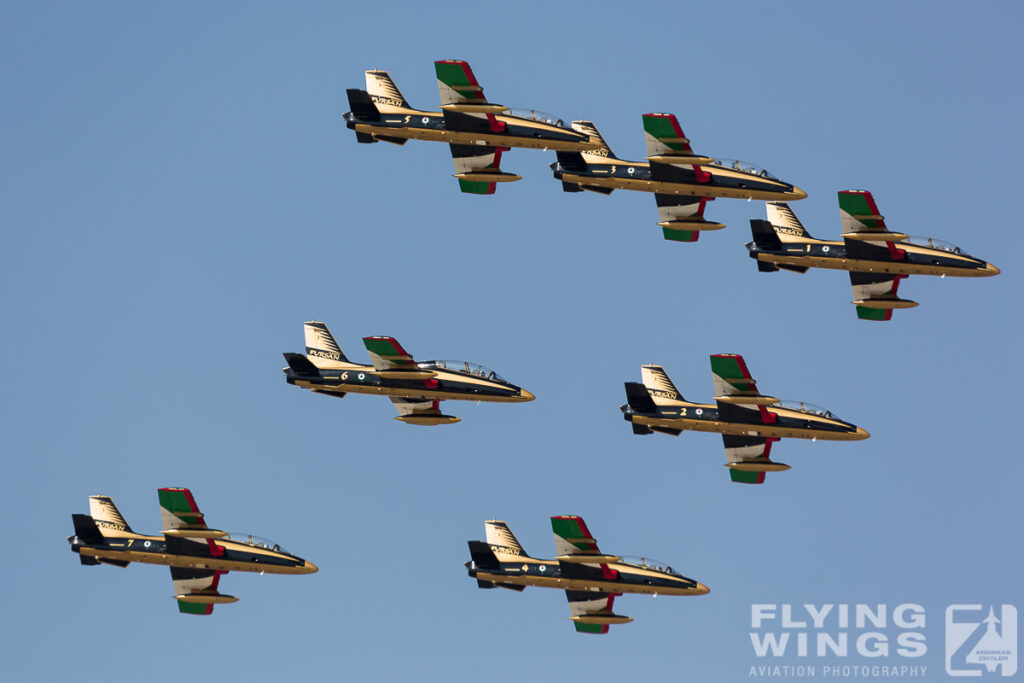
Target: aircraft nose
(990,270)
(309,568)
(797,193)
(525,395)
(860,433)
(701,589)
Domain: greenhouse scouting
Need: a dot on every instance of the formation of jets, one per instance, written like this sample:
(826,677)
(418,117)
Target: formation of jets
(683,181)
(591,579)
(197,555)
(748,421)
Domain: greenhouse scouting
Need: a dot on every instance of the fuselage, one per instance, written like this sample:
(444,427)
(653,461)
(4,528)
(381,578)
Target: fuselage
(233,556)
(910,259)
(498,130)
(446,383)
(616,577)
(719,181)
(765,421)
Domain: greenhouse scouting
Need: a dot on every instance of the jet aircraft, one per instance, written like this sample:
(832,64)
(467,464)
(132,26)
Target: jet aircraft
(197,555)
(876,258)
(477,131)
(416,389)
(682,181)
(748,421)
(591,579)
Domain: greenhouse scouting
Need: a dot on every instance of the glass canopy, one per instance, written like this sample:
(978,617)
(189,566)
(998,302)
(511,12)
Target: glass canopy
(255,541)
(744,167)
(808,408)
(648,563)
(935,244)
(536,115)
(463,366)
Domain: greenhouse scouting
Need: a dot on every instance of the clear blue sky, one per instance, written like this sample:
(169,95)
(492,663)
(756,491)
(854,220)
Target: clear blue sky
(178,193)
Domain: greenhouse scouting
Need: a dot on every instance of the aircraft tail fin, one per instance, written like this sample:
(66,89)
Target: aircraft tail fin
(384,94)
(502,541)
(107,518)
(482,555)
(86,529)
(784,223)
(362,105)
(320,344)
(659,386)
(602,152)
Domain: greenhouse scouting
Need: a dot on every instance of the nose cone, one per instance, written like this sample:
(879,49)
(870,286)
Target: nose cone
(796,193)
(860,434)
(701,589)
(525,395)
(309,568)
(990,270)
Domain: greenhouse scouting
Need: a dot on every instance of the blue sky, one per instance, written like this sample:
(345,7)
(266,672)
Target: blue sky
(179,193)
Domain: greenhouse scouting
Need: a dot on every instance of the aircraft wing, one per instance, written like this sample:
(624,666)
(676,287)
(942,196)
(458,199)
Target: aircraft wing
(592,611)
(875,296)
(572,537)
(178,510)
(478,168)
(456,83)
(387,354)
(682,216)
(751,457)
(196,590)
(732,378)
(864,231)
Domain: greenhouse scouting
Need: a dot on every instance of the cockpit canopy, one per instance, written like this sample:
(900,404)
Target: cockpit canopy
(536,115)
(464,366)
(648,563)
(808,408)
(935,244)
(744,167)
(255,541)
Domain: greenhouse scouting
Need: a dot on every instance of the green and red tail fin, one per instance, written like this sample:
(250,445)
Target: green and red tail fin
(107,517)
(572,537)
(457,84)
(859,213)
(178,509)
(387,354)
(731,376)
(664,136)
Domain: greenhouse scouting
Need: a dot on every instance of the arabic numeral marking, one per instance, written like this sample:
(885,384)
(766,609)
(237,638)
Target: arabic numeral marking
(344,376)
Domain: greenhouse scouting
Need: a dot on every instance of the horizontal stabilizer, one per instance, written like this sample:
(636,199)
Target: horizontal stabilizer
(88,560)
(300,364)
(641,429)
(639,398)
(765,267)
(365,138)
(480,583)
(362,106)
(571,187)
(86,529)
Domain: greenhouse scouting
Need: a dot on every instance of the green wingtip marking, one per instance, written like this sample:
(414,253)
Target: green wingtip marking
(451,74)
(474,187)
(174,501)
(661,127)
(856,204)
(590,628)
(865,313)
(741,477)
(193,608)
(729,367)
(569,528)
(674,235)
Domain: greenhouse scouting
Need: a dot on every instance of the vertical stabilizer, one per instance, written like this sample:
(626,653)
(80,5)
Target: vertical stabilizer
(383,92)
(659,386)
(502,540)
(320,344)
(107,517)
(593,155)
(785,223)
